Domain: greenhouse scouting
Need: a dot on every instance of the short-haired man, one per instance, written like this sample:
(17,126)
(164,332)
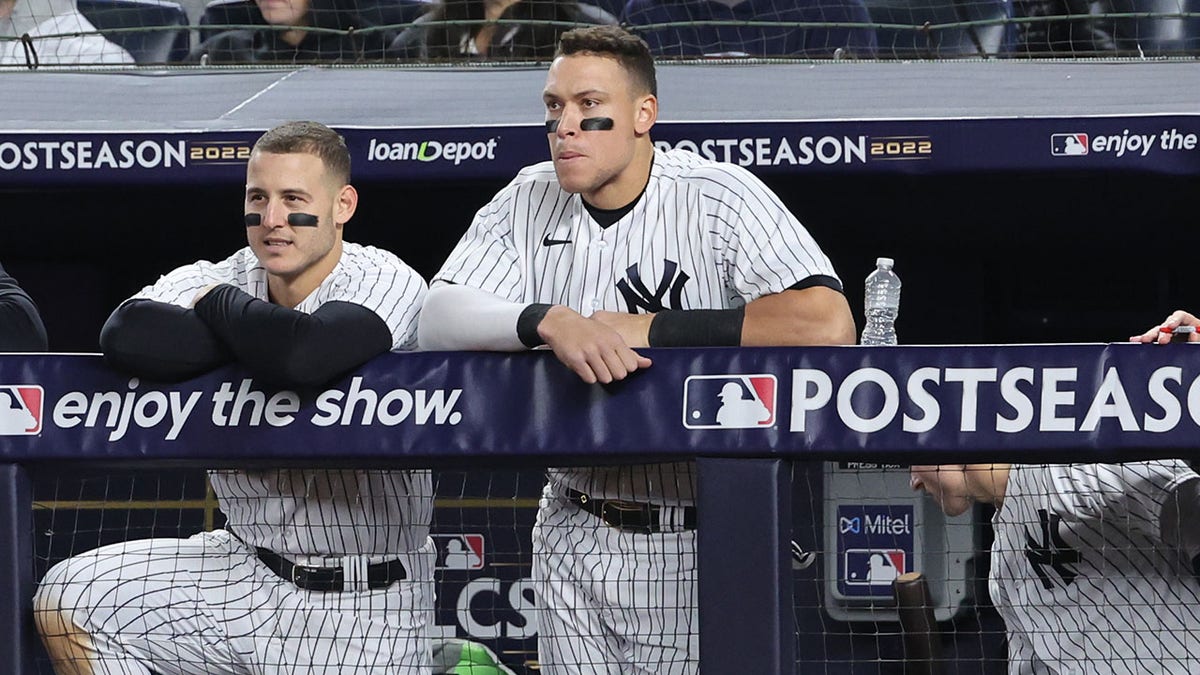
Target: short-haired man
(1094,567)
(611,246)
(318,571)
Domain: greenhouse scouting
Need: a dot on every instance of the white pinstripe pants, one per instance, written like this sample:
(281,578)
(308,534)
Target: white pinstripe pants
(612,602)
(207,605)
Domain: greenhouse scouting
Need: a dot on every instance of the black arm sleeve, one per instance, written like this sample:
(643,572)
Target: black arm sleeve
(160,341)
(21,328)
(292,348)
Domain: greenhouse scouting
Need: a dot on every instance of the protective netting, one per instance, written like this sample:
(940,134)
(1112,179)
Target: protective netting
(1079,567)
(226,32)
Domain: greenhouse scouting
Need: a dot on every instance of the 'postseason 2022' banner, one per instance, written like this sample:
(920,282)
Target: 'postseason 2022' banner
(1168,144)
(1048,402)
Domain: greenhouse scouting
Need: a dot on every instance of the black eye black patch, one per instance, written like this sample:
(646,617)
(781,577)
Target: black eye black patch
(302,220)
(596,124)
(586,124)
(293,219)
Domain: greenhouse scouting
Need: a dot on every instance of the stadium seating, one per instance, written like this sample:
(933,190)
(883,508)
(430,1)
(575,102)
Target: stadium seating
(245,12)
(1157,36)
(980,40)
(157,44)
(708,39)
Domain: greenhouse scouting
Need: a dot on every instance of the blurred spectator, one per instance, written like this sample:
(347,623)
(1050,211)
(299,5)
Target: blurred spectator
(21,328)
(1080,34)
(535,39)
(53,17)
(711,40)
(272,45)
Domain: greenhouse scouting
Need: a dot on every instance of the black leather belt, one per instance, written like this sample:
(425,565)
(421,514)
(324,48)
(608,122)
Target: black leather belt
(635,516)
(379,575)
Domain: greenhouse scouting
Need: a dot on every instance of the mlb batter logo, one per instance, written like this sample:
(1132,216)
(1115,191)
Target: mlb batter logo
(459,551)
(1068,145)
(729,401)
(874,566)
(20,409)
(875,543)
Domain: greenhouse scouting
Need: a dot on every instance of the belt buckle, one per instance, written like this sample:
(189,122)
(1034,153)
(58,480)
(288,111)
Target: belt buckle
(296,570)
(619,509)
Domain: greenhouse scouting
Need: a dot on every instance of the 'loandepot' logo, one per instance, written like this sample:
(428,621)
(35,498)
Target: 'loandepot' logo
(431,151)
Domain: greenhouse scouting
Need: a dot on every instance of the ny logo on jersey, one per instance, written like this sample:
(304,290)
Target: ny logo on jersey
(1052,551)
(637,295)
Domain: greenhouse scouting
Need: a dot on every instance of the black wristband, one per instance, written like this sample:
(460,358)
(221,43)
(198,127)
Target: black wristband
(697,328)
(527,324)
(1196,566)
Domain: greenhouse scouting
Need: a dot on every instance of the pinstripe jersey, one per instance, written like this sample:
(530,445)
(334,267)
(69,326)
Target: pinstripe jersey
(1082,577)
(704,235)
(323,512)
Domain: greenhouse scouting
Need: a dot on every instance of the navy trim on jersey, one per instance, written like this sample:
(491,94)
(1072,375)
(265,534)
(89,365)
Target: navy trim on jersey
(817,280)
(606,217)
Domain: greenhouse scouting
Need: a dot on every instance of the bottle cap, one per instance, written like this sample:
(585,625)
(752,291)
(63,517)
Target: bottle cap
(884,262)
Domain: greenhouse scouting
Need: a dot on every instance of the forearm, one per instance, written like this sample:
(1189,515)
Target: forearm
(160,341)
(812,316)
(456,317)
(291,348)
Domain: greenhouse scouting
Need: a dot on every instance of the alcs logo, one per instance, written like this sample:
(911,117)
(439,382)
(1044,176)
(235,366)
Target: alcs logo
(20,409)
(729,401)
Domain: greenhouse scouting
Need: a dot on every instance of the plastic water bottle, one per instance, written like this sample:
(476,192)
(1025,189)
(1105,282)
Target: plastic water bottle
(882,302)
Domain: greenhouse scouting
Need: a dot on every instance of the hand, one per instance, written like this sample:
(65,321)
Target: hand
(1161,333)
(634,329)
(203,292)
(593,350)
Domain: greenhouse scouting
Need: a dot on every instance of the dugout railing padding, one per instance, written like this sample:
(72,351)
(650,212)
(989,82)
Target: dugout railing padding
(928,404)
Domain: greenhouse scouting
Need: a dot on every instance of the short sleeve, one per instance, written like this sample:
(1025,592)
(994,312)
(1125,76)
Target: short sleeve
(769,251)
(387,286)
(1131,494)
(180,286)
(486,257)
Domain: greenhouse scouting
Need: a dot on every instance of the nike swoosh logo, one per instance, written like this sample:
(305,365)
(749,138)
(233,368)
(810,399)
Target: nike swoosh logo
(547,241)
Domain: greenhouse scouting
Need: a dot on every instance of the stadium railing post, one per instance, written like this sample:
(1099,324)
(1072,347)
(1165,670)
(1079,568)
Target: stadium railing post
(16,569)
(744,557)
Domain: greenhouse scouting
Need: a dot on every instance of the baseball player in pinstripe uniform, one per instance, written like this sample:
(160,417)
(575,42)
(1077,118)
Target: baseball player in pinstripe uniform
(1094,566)
(318,571)
(610,246)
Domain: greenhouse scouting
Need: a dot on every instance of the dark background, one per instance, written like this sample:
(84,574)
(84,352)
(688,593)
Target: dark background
(984,257)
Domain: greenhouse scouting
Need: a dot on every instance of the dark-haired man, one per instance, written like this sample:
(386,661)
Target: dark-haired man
(612,246)
(317,571)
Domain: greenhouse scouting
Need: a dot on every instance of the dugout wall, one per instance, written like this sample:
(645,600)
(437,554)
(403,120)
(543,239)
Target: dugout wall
(993,228)
(1100,402)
